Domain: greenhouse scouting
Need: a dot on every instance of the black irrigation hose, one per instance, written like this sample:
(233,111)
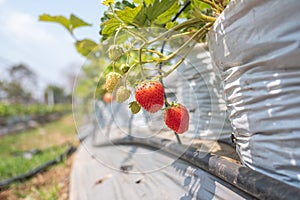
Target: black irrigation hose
(251,182)
(5,183)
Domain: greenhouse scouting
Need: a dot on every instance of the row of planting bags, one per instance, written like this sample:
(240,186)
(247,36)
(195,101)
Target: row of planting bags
(248,84)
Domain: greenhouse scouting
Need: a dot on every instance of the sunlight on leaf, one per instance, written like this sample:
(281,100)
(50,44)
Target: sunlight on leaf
(85,46)
(77,22)
(57,19)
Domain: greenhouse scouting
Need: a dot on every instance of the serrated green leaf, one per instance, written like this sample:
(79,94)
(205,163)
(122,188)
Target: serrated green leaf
(77,22)
(149,2)
(109,27)
(153,9)
(158,8)
(56,19)
(128,14)
(138,1)
(170,25)
(85,46)
(141,17)
(168,14)
(199,5)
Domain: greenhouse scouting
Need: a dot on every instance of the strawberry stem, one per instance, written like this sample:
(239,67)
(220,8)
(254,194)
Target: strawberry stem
(113,65)
(127,74)
(116,35)
(178,138)
(140,61)
(167,104)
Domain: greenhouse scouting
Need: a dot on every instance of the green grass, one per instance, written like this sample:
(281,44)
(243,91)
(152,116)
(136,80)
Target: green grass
(15,165)
(51,139)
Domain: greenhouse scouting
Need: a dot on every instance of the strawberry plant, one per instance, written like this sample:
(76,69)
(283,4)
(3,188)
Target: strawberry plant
(144,56)
(134,36)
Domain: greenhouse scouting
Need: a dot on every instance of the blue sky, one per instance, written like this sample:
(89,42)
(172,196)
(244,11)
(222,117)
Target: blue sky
(45,47)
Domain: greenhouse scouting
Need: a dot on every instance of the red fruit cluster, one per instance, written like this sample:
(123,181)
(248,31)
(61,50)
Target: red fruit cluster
(150,95)
(177,118)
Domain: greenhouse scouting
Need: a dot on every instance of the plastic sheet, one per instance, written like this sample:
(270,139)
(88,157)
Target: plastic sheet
(200,90)
(91,179)
(255,46)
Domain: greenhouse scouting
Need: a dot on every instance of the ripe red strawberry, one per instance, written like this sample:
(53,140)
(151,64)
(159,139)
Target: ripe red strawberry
(150,95)
(108,97)
(177,118)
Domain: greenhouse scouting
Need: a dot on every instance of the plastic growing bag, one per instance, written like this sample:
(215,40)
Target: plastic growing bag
(200,90)
(256,47)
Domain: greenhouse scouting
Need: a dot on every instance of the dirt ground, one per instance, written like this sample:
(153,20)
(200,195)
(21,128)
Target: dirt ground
(51,184)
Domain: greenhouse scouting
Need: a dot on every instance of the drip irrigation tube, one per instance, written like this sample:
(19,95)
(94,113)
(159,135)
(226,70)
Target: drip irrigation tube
(252,182)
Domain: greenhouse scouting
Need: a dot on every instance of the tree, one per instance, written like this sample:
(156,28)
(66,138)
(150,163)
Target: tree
(17,88)
(55,94)
(24,75)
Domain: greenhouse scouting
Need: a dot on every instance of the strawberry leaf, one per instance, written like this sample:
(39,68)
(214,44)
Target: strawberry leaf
(77,22)
(84,47)
(56,19)
(128,14)
(110,26)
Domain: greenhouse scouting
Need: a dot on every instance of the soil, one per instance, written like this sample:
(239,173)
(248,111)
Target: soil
(51,184)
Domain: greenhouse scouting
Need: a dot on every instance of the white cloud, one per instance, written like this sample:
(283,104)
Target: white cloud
(24,27)
(43,47)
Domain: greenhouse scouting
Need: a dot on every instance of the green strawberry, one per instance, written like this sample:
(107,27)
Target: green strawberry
(134,107)
(115,52)
(112,81)
(122,94)
(125,68)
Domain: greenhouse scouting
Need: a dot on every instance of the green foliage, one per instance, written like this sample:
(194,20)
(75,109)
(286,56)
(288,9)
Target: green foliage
(109,27)
(159,8)
(77,22)
(151,13)
(16,165)
(196,4)
(85,46)
(48,138)
(9,110)
(70,24)
(129,21)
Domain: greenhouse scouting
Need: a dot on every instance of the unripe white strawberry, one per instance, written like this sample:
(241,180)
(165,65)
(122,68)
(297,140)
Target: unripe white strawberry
(115,52)
(112,81)
(122,94)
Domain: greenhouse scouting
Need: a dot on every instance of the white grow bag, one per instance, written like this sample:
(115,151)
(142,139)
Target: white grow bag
(256,47)
(200,90)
